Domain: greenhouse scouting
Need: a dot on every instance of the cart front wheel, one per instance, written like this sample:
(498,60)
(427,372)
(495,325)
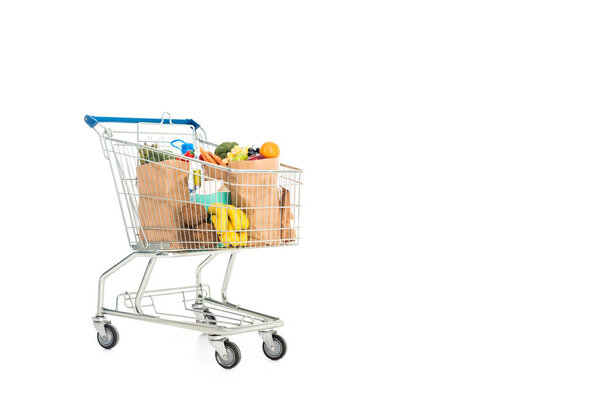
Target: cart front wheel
(279,349)
(111,339)
(233,356)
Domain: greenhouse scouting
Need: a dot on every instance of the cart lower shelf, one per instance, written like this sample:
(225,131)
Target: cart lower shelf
(190,307)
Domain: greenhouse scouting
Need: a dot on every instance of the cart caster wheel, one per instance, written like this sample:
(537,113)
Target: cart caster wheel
(206,317)
(233,356)
(112,337)
(279,351)
(210,317)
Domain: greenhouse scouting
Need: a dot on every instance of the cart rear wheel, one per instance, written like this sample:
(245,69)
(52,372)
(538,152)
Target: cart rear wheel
(111,339)
(210,317)
(205,316)
(233,356)
(279,349)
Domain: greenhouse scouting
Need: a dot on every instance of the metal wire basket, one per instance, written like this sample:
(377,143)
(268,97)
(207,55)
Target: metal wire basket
(165,197)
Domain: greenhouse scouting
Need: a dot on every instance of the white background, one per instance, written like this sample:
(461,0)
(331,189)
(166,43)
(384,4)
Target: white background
(451,203)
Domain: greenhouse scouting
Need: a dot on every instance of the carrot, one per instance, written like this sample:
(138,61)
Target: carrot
(207,156)
(216,158)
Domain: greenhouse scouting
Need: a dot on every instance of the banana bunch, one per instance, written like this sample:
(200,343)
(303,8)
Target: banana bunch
(231,224)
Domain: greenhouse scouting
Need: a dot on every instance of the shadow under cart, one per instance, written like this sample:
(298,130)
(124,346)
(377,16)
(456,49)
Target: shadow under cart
(198,310)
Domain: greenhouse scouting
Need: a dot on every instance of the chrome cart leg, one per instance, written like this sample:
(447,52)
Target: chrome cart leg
(227,277)
(107,336)
(140,294)
(203,264)
(203,314)
(105,275)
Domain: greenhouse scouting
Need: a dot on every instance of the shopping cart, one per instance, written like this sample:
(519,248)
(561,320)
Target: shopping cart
(175,206)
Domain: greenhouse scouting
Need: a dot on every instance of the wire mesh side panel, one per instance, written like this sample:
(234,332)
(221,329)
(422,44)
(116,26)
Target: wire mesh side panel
(172,202)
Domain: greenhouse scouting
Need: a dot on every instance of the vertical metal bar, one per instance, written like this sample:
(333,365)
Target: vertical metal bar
(140,294)
(105,275)
(203,264)
(227,277)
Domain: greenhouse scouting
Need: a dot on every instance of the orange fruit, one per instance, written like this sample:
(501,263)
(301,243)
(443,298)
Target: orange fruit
(269,150)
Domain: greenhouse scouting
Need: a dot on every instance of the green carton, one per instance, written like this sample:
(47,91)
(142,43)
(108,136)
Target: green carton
(207,199)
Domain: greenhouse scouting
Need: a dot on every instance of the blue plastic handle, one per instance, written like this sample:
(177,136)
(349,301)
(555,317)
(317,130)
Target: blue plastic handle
(175,141)
(185,147)
(92,121)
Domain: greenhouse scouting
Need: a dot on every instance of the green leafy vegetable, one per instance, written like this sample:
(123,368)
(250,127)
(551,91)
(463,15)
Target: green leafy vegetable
(224,148)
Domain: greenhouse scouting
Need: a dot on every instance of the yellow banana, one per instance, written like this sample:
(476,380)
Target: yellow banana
(228,219)
(231,237)
(243,238)
(219,221)
(227,236)
(237,217)
(219,216)
(214,220)
(212,209)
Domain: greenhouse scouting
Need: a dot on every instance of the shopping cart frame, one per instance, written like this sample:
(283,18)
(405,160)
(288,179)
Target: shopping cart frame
(216,318)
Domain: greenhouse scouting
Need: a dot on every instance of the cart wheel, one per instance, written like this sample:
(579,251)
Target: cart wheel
(210,317)
(279,351)
(233,356)
(112,337)
(207,317)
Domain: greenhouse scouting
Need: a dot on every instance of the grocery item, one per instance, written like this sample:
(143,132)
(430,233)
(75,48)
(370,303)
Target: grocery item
(256,156)
(197,175)
(288,234)
(203,235)
(237,153)
(150,155)
(238,218)
(233,239)
(230,223)
(163,190)
(224,148)
(258,195)
(206,156)
(206,199)
(243,238)
(192,214)
(219,216)
(241,156)
(269,150)
(185,148)
(227,236)
(217,158)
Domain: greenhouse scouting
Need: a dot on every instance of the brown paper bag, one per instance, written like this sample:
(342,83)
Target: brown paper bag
(257,194)
(202,236)
(288,234)
(163,190)
(192,215)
